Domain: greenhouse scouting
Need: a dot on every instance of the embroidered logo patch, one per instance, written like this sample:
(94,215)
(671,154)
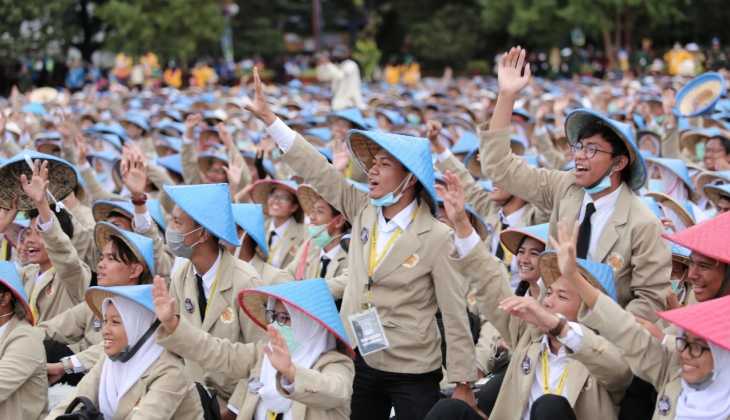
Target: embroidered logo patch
(227,315)
(411,261)
(664,406)
(615,261)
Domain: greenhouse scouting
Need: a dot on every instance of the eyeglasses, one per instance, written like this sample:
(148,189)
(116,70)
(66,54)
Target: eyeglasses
(282,198)
(280,317)
(589,150)
(695,349)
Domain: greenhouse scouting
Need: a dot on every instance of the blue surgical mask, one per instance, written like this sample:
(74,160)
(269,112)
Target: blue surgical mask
(602,185)
(319,235)
(176,242)
(288,334)
(390,198)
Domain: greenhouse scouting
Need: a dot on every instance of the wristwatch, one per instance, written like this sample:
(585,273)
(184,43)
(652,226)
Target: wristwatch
(562,320)
(68,366)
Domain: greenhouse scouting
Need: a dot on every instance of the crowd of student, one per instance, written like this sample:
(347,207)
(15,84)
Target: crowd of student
(510,248)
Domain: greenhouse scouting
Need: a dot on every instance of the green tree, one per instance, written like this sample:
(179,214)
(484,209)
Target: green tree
(448,37)
(171,28)
(31,27)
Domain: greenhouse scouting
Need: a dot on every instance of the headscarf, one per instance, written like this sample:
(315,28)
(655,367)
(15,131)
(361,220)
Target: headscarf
(672,185)
(313,340)
(118,377)
(708,401)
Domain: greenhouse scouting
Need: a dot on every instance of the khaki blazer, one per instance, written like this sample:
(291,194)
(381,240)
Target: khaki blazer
(224,319)
(285,249)
(631,240)
(411,283)
(322,392)
(23,380)
(83,240)
(268,273)
(162,392)
(597,373)
(76,327)
(649,359)
(163,259)
(94,188)
(313,262)
(63,286)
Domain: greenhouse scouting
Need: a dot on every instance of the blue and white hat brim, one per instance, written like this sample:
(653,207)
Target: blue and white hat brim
(10,278)
(512,238)
(600,275)
(140,294)
(709,81)
(141,246)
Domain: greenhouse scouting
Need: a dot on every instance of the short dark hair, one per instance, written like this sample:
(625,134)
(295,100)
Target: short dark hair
(725,143)
(618,147)
(124,254)
(63,217)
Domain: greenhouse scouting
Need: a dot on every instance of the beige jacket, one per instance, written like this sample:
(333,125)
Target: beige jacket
(224,319)
(411,283)
(285,249)
(191,170)
(61,287)
(312,262)
(631,240)
(163,392)
(597,373)
(23,380)
(268,273)
(648,358)
(322,392)
(76,327)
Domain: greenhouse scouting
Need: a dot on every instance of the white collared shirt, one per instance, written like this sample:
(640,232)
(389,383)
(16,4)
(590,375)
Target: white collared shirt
(573,340)
(331,254)
(387,229)
(279,231)
(209,277)
(604,209)
(3,328)
(513,219)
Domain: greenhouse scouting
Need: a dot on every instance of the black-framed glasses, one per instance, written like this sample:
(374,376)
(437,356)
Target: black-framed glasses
(695,349)
(589,150)
(280,317)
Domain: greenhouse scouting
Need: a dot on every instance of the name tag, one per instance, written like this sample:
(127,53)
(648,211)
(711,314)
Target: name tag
(368,331)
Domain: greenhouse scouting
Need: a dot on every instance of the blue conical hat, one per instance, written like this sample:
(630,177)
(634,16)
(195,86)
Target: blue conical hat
(172,163)
(467,143)
(393,116)
(579,118)
(680,254)
(250,217)
(141,246)
(173,143)
(101,209)
(209,205)
(699,95)
(598,274)
(141,294)
(9,278)
(683,210)
(137,119)
(352,115)
(312,297)
(715,192)
(157,213)
(512,238)
(677,167)
(653,206)
(206,158)
(61,177)
(322,133)
(412,152)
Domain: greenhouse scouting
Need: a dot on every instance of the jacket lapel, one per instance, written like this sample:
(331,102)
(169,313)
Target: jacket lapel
(406,245)
(611,231)
(577,376)
(217,302)
(369,218)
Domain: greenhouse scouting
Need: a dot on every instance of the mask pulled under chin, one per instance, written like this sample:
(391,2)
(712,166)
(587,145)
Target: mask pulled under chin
(390,198)
(602,185)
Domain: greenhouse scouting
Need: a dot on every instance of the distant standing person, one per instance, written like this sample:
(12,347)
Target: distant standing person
(345,79)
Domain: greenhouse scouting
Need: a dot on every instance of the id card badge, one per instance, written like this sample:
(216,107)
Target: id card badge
(368,331)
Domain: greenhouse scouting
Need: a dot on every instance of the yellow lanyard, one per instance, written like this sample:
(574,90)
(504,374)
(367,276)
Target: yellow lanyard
(546,376)
(374,259)
(37,291)
(213,289)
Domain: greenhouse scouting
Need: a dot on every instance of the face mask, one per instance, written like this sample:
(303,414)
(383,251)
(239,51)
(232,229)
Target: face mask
(390,198)
(176,242)
(700,150)
(319,235)
(602,185)
(288,334)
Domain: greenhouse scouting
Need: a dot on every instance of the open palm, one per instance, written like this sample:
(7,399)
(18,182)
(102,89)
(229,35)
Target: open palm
(513,72)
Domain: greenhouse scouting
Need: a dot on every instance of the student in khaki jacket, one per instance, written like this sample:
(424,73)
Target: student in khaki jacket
(55,278)
(126,260)
(23,383)
(552,354)
(693,376)
(136,378)
(209,278)
(403,281)
(301,373)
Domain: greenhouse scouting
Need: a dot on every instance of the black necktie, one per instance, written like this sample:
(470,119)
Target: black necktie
(500,249)
(271,237)
(202,301)
(325,262)
(584,234)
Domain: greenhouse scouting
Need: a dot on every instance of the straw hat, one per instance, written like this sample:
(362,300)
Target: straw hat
(141,294)
(61,176)
(599,275)
(512,238)
(102,208)
(716,192)
(263,187)
(307,196)
(141,246)
(665,200)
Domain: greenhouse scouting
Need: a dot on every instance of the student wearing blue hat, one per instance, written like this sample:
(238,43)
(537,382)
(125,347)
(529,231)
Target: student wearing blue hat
(137,128)
(717,152)
(207,278)
(552,362)
(126,259)
(23,383)
(399,273)
(136,377)
(55,278)
(719,196)
(303,370)
(340,122)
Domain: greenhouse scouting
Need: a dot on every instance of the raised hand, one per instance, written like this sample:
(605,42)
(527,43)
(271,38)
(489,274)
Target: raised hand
(278,354)
(233,173)
(7,215)
(192,121)
(37,187)
(453,195)
(259,107)
(340,155)
(531,311)
(134,173)
(433,130)
(513,72)
(225,136)
(165,305)
(565,248)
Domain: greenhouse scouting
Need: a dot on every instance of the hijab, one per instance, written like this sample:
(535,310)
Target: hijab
(313,340)
(118,377)
(711,400)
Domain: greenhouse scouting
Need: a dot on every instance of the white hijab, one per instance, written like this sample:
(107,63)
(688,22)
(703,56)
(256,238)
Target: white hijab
(313,340)
(672,185)
(709,402)
(118,377)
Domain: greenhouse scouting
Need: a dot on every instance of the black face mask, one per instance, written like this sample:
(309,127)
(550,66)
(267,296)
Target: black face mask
(126,354)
